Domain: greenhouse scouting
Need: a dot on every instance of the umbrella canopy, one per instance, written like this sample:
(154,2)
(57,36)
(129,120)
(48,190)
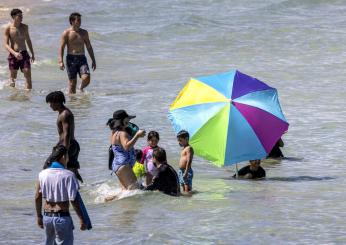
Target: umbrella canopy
(231,117)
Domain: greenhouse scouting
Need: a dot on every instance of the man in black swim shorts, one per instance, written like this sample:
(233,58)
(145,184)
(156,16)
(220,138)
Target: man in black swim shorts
(75,38)
(65,125)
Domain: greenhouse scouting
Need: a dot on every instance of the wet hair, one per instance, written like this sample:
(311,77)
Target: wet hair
(56,97)
(183,134)
(14,12)
(153,134)
(115,124)
(57,154)
(139,154)
(74,16)
(160,155)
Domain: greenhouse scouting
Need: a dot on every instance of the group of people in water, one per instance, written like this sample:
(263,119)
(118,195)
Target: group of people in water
(58,181)
(58,184)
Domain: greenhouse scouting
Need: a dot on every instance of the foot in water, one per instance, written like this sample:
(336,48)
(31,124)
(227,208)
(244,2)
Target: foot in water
(110,198)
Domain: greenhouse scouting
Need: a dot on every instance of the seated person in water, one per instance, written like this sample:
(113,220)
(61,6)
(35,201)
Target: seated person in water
(276,152)
(166,179)
(252,171)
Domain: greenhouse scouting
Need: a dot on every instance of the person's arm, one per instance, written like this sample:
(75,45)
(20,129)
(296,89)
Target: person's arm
(63,42)
(66,126)
(75,205)
(243,172)
(154,184)
(126,143)
(28,41)
(281,143)
(38,205)
(189,156)
(145,151)
(8,46)
(90,50)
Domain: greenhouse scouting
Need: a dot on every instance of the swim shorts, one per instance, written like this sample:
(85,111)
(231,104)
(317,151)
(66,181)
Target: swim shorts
(15,64)
(188,179)
(76,64)
(73,153)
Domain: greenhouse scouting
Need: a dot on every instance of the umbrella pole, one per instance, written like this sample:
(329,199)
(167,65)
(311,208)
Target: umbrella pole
(236,170)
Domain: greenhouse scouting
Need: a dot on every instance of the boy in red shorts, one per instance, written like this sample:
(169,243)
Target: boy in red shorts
(15,41)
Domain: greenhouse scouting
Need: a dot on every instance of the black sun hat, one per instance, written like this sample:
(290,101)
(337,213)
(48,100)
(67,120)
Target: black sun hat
(121,114)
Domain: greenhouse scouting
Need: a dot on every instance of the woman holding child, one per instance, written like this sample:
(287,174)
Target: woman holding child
(123,149)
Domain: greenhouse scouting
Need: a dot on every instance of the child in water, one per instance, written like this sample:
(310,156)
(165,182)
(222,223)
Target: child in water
(252,171)
(138,168)
(185,172)
(147,158)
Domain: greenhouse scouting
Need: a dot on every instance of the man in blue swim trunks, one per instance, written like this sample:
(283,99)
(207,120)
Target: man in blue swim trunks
(75,38)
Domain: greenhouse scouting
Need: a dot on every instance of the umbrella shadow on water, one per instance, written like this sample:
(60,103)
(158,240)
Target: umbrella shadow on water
(285,179)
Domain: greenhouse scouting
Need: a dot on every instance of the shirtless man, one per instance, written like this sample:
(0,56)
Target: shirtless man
(75,38)
(15,40)
(65,125)
(58,186)
(185,172)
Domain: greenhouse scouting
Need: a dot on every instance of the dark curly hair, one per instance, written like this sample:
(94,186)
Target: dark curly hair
(56,97)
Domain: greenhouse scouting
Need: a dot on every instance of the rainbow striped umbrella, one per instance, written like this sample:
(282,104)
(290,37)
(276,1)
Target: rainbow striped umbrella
(231,117)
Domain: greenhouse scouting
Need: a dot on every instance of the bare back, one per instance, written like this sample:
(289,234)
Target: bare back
(65,122)
(186,157)
(75,41)
(16,36)
(56,206)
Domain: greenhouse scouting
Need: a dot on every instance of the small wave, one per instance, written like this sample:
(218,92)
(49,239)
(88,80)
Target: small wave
(299,178)
(45,62)
(4,9)
(104,193)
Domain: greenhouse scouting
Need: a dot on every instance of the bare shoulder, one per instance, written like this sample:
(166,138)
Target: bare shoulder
(83,31)
(66,32)
(189,149)
(65,115)
(7,28)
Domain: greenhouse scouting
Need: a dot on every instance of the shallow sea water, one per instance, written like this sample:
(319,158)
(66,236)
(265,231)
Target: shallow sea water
(146,52)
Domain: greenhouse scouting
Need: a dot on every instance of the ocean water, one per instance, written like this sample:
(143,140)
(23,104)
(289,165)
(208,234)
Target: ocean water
(146,51)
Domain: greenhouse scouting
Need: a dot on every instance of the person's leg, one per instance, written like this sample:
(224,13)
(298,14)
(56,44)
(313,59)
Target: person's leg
(13,77)
(85,81)
(27,75)
(127,178)
(72,70)
(49,230)
(84,72)
(72,84)
(63,230)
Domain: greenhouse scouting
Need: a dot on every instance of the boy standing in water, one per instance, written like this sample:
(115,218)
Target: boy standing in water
(15,40)
(185,171)
(75,38)
(65,125)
